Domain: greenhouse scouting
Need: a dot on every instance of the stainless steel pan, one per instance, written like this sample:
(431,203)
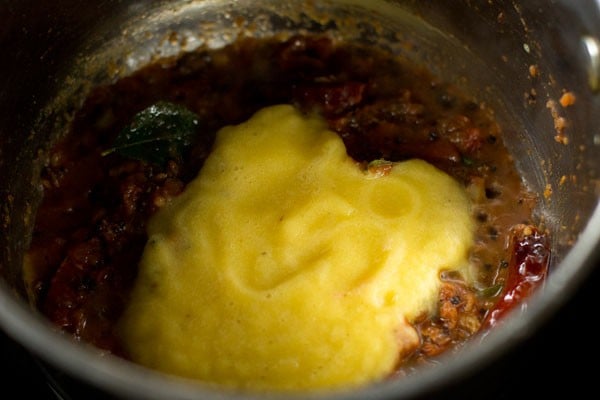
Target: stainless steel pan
(55,51)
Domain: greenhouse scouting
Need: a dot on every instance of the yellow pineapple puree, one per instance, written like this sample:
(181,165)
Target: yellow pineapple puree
(286,266)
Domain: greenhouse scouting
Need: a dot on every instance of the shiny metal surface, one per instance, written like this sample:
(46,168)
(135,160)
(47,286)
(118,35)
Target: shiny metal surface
(58,49)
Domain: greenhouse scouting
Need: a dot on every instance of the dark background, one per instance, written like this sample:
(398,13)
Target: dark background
(562,357)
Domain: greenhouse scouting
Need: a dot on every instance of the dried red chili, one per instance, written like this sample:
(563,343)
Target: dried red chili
(527,270)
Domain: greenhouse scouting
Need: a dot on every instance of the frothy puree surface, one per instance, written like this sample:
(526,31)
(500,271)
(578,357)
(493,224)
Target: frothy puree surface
(285,265)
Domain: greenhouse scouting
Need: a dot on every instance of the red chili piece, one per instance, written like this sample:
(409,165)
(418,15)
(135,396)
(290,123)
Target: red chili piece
(527,270)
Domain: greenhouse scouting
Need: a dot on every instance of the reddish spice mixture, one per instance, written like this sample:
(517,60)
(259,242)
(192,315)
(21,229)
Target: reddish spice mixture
(90,228)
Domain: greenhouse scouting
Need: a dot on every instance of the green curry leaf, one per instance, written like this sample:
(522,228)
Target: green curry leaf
(157,134)
(491,291)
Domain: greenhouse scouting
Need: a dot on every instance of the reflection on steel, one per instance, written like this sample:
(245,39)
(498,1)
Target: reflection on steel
(592,47)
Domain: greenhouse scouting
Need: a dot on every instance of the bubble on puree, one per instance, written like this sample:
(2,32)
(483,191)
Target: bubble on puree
(286,265)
